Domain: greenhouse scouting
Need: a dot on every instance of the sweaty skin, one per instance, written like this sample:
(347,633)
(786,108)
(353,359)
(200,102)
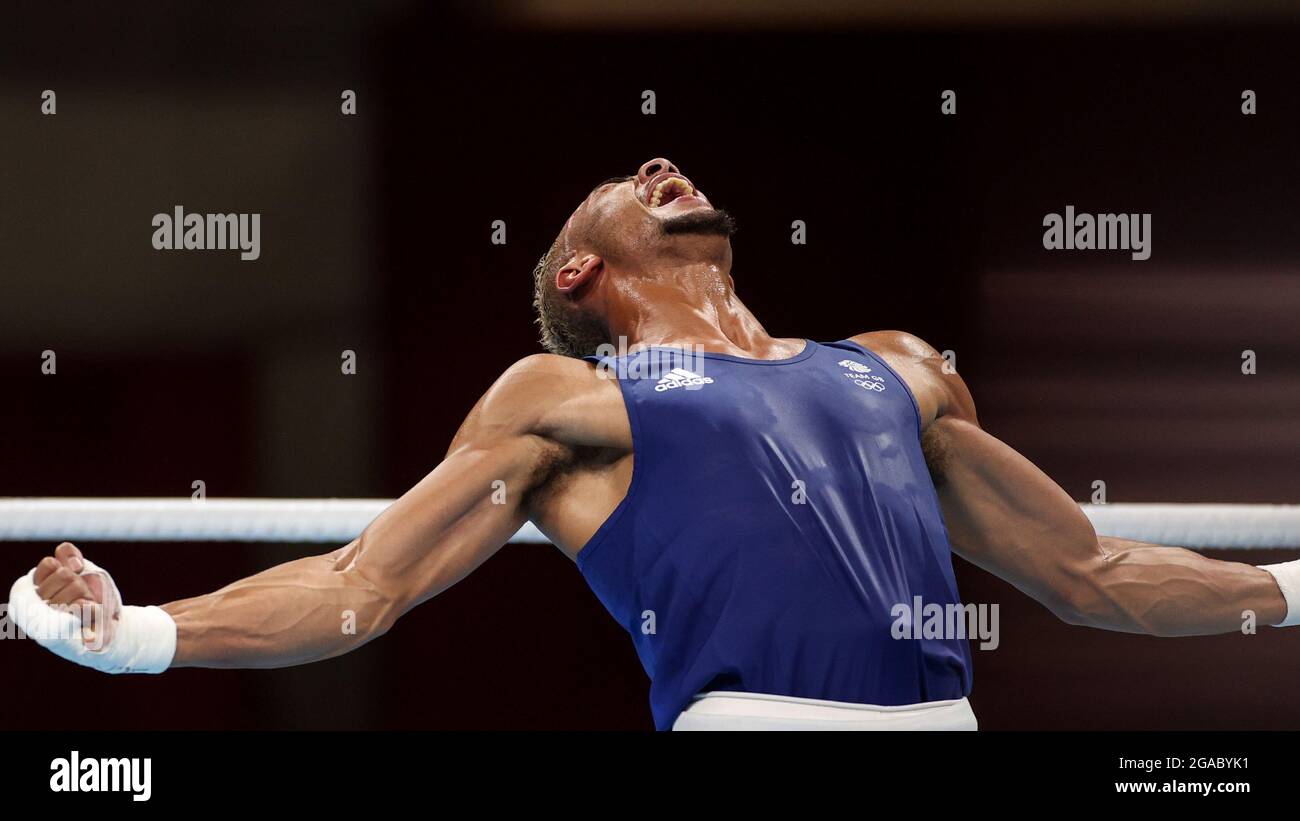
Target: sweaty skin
(556,432)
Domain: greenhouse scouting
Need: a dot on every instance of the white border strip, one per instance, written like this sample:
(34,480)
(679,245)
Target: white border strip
(341,520)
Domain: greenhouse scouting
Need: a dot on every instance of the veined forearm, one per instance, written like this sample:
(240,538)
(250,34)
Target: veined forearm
(1006,516)
(323,606)
(1168,591)
(301,611)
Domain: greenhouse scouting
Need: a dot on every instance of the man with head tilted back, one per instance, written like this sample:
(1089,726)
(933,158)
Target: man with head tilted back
(755,511)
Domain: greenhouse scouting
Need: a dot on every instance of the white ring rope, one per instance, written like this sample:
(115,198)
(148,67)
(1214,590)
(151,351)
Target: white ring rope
(1200,526)
(192,520)
(341,520)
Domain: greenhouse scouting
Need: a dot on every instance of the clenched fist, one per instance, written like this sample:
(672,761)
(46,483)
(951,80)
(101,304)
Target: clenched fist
(71,607)
(62,581)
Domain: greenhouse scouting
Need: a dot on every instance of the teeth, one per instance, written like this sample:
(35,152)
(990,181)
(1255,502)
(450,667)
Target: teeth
(667,185)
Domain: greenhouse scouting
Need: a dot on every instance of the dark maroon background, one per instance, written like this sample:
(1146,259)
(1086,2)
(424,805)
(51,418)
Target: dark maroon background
(376,239)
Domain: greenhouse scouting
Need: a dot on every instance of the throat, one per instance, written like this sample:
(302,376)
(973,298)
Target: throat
(696,311)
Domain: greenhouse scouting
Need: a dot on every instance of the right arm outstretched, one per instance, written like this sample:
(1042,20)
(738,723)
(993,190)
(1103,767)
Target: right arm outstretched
(426,541)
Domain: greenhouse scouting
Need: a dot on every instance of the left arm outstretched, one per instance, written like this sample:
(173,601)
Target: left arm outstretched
(1007,517)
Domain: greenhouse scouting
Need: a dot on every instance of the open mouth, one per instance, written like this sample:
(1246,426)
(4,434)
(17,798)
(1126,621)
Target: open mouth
(665,188)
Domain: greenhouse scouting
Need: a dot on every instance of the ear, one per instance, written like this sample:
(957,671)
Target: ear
(582,269)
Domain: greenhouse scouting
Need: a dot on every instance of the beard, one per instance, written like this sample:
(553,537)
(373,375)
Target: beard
(701,222)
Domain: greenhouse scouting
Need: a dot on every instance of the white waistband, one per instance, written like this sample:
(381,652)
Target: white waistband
(758,711)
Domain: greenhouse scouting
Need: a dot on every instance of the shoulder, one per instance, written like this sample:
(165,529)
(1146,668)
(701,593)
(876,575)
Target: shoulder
(556,397)
(899,345)
(938,388)
(542,376)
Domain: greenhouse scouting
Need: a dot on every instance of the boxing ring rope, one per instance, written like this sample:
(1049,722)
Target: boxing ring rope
(1237,526)
(191,520)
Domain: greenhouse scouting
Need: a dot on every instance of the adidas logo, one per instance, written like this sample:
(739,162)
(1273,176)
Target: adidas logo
(682,378)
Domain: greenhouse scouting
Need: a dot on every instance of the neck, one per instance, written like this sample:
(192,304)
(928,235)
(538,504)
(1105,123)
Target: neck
(687,305)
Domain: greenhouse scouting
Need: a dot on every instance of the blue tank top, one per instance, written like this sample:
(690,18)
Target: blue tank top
(779,512)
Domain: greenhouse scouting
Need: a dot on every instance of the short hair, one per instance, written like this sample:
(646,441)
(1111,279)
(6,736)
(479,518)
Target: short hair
(566,328)
(544,281)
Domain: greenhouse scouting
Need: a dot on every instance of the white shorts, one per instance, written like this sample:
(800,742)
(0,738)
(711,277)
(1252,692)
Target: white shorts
(756,711)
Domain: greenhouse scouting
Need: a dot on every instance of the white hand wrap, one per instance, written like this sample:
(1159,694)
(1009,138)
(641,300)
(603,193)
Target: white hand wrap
(135,639)
(1287,575)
